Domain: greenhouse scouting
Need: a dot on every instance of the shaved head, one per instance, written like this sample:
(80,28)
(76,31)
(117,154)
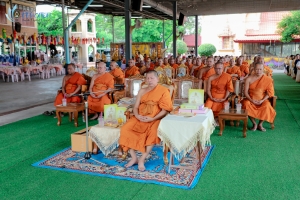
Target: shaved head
(152,72)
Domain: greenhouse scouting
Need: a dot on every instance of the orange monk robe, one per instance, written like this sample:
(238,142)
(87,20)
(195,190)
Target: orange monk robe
(268,71)
(219,87)
(244,70)
(234,70)
(257,91)
(175,66)
(70,86)
(136,134)
(103,82)
(132,71)
(118,75)
(226,64)
(190,66)
(245,63)
(209,73)
(152,66)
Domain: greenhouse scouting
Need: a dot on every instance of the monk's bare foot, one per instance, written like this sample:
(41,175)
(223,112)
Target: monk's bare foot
(95,117)
(254,127)
(261,128)
(141,166)
(95,151)
(132,162)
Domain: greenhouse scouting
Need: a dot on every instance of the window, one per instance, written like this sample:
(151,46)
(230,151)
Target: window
(89,26)
(74,28)
(2,13)
(226,43)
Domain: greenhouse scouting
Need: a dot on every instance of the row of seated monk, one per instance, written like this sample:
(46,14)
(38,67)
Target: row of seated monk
(154,102)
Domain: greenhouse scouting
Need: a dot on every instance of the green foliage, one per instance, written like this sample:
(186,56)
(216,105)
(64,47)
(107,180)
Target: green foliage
(180,46)
(289,26)
(52,24)
(206,49)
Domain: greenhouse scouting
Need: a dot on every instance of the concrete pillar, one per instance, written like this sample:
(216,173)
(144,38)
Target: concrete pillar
(128,43)
(196,35)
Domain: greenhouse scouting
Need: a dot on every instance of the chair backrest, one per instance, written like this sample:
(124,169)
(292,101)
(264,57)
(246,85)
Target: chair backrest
(182,70)
(91,71)
(182,86)
(133,85)
(169,71)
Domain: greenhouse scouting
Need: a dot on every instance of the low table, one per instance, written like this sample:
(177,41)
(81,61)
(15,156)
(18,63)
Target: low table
(233,114)
(70,108)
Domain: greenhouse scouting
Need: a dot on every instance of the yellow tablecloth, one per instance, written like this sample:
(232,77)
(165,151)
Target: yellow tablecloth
(181,134)
(106,138)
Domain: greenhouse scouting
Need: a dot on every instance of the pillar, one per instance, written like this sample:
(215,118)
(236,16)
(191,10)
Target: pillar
(128,44)
(174,28)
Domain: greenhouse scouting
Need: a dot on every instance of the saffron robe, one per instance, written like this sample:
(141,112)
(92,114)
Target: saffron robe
(132,71)
(103,82)
(118,75)
(70,86)
(257,91)
(219,87)
(136,134)
(234,70)
(244,70)
(175,66)
(209,73)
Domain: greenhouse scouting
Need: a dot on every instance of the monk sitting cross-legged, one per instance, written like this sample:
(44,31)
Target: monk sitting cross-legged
(71,85)
(218,89)
(140,132)
(101,84)
(258,89)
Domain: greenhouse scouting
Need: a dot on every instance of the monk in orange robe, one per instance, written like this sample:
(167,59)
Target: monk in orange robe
(233,70)
(117,73)
(101,84)
(258,89)
(140,132)
(189,63)
(219,86)
(160,63)
(194,69)
(173,64)
(132,70)
(149,65)
(166,62)
(206,72)
(71,85)
(244,67)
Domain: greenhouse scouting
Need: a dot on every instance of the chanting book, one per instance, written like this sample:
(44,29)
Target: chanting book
(196,96)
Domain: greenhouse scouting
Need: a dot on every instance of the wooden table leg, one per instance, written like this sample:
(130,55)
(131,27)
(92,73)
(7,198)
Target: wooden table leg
(76,118)
(70,116)
(221,124)
(58,118)
(166,161)
(245,127)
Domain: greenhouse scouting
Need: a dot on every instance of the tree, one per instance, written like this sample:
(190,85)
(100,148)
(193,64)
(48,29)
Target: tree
(289,26)
(206,49)
(180,46)
(51,24)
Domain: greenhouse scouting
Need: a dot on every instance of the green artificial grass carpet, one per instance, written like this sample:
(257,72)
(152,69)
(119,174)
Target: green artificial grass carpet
(264,165)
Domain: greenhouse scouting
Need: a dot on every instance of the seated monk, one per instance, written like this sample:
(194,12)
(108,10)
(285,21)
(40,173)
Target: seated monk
(206,72)
(132,70)
(160,63)
(143,68)
(71,85)
(117,73)
(166,62)
(219,86)
(140,132)
(173,64)
(101,84)
(233,70)
(244,67)
(258,89)
(149,65)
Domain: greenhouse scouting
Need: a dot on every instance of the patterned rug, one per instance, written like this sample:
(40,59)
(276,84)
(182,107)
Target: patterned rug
(113,167)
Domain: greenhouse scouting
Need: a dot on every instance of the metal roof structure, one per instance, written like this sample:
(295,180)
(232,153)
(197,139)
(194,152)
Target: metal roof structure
(162,9)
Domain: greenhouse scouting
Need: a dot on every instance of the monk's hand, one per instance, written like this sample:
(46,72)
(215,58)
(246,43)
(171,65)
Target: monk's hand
(93,95)
(67,95)
(147,119)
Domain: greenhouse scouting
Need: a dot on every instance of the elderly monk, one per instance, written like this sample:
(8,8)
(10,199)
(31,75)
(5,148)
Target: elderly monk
(101,84)
(233,70)
(132,70)
(71,85)
(140,132)
(117,73)
(258,89)
(206,72)
(219,86)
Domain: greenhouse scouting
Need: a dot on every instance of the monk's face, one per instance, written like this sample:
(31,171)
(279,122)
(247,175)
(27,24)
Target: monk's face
(231,62)
(259,69)
(260,60)
(151,79)
(160,62)
(194,62)
(101,68)
(131,63)
(172,61)
(71,69)
(239,61)
(165,61)
(219,68)
(113,65)
(210,62)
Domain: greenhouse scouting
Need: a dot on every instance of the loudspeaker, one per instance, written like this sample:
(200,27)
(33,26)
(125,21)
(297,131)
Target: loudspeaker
(18,27)
(137,5)
(181,19)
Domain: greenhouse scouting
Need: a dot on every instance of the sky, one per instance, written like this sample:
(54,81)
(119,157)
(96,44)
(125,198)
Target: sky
(46,8)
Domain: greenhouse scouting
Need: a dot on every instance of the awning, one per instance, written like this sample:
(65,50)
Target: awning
(258,39)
